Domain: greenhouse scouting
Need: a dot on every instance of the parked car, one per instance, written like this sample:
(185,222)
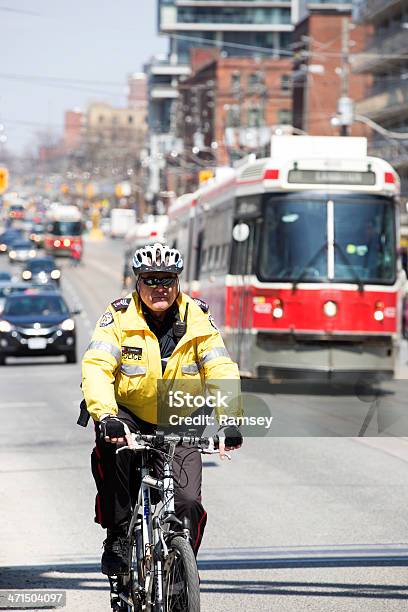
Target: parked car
(37,325)
(41,270)
(8,237)
(21,250)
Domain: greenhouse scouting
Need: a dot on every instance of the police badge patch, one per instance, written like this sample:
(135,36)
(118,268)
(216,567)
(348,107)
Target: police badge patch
(203,305)
(121,304)
(106,319)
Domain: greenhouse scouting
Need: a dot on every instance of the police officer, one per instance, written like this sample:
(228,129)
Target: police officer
(155,333)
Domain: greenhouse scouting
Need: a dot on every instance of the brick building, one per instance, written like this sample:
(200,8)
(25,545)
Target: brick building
(228,104)
(73,126)
(318,66)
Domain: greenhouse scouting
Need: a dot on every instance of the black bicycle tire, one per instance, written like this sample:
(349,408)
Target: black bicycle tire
(185,552)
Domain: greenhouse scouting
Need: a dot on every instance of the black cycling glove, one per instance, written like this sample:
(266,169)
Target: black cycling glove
(112,427)
(233,436)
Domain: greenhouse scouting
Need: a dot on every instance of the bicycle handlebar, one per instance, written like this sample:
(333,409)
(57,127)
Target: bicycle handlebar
(159,439)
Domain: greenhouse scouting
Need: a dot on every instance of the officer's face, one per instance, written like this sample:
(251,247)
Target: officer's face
(158,298)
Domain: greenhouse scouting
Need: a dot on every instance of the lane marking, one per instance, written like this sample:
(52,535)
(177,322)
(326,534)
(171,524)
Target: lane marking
(76,300)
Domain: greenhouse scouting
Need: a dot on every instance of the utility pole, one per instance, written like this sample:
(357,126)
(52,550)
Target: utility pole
(345,74)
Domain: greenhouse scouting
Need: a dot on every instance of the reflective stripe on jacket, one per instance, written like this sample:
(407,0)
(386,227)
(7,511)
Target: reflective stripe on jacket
(122,363)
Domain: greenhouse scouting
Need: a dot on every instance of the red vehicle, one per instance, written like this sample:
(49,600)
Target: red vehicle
(16,211)
(296,255)
(63,230)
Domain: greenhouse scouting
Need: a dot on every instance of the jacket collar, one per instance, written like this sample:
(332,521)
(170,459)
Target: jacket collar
(197,322)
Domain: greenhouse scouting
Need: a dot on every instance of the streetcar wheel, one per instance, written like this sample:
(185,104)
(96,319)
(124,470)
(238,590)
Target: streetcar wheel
(181,582)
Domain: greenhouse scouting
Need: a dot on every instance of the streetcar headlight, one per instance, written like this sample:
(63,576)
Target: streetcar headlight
(5,326)
(13,254)
(330,309)
(55,274)
(379,311)
(32,253)
(67,242)
(277,309)
(68,325)
(57,243)
(26,275)
(3,247)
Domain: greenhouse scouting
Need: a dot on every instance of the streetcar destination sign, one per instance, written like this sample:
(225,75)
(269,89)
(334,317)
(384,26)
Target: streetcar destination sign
(331,177)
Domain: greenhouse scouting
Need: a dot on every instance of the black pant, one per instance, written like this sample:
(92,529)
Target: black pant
(118,480)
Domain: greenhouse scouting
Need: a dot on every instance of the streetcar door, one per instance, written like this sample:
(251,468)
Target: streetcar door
(244,247)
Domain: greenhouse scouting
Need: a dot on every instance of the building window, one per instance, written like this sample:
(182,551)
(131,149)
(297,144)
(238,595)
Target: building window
(285,83)
(285,116)
(253,80)
(101,118)
(255,116)
(233,116)
(235,81)
(130,119)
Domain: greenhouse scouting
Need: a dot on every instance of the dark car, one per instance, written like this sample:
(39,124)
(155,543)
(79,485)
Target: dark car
(41,270)
(37,325)
(9,288)
(36,234)
(8,237)
(21,250)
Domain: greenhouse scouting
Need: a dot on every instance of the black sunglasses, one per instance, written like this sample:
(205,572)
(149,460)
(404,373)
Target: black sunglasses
(166,281)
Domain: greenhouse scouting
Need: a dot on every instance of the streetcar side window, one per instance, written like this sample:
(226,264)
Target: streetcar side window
(199,262)
(243,254)
(217,257)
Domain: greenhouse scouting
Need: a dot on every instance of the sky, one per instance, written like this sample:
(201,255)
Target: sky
(58,55)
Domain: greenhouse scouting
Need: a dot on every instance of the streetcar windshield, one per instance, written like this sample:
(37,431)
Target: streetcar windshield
(364,235)
(295,239)
(295,243)
(65,228)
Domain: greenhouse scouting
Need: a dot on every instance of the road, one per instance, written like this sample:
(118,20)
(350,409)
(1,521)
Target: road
(296,522)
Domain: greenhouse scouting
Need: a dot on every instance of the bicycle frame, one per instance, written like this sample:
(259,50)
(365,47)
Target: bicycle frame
(149,527)
(150,524)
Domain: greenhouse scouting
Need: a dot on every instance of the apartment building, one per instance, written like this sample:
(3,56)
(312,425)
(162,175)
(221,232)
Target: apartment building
(385,58)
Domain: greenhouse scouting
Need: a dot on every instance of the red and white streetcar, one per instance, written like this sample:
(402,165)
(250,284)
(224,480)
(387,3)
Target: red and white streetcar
(296,255)
(63,233)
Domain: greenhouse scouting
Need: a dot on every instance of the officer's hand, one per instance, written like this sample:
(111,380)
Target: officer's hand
(113,430)
(229,438)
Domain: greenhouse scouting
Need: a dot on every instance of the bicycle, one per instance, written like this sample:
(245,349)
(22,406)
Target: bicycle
(163,575)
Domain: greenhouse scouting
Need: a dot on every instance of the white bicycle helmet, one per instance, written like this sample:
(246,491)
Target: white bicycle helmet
(157,258)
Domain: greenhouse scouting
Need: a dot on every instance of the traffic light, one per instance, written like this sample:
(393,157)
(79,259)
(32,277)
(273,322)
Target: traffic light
(4,176)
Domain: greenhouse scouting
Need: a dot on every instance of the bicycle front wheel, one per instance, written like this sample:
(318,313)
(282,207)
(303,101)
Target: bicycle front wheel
(181,582)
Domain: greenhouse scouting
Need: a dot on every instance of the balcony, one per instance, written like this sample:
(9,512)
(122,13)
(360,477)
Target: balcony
(391,102)
(165,68)
(393,41)
(370,10)
(163,91)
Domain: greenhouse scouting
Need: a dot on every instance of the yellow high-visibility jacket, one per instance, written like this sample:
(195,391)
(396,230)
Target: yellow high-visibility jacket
(122,364)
